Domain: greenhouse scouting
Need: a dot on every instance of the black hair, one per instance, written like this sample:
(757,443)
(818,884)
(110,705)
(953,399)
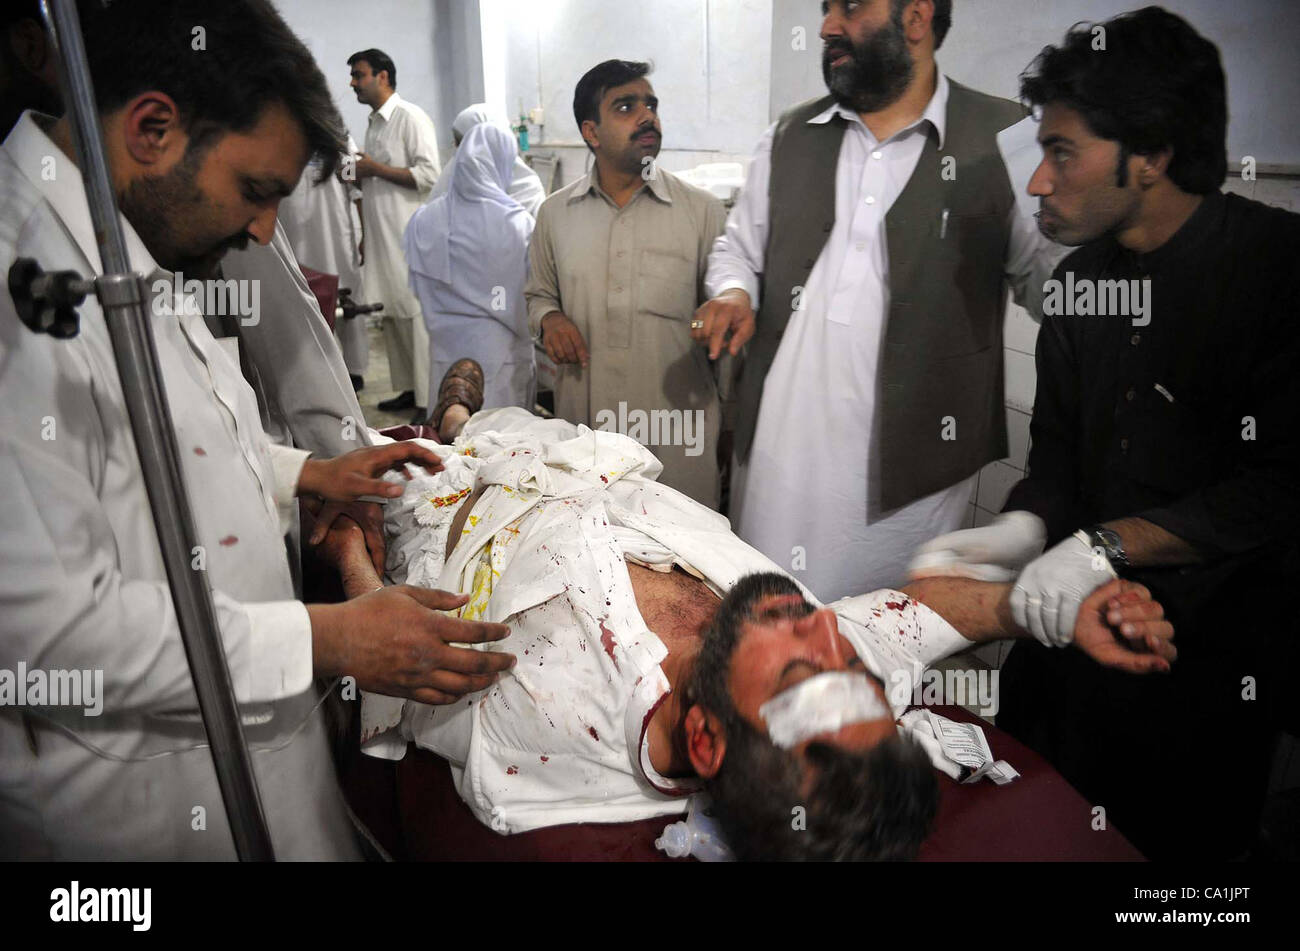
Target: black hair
(942,21)
(599,80)
(15,11)
(1152,83)
(876,804)
(222,79)
(380,62)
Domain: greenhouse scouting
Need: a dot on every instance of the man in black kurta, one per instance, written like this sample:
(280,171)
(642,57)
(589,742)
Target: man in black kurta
(1164,444)
(1189,423)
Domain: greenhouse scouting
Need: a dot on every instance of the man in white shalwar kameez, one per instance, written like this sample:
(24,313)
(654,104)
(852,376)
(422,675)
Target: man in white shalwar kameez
(396,171)
(825,391)
(468,251)
(630,692)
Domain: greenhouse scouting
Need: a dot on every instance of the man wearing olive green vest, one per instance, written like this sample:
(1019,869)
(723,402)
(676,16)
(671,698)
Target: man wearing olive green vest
(876,236)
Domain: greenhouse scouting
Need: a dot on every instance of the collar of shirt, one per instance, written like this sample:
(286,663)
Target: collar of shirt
(1199,226)
(936,113)
(589,185)
(386,110)
(31,149)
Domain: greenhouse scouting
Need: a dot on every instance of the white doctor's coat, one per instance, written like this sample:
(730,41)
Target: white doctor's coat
(82,583)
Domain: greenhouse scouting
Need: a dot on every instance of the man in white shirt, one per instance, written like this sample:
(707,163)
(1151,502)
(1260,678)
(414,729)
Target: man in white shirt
(649,638)
(881,228)
(82,584)
(396,172)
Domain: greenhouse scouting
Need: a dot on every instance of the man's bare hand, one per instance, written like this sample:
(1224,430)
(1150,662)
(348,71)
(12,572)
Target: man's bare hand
(366,167)
(730,313)
(1121,626)
(562,339)
(356,473)
(395,642)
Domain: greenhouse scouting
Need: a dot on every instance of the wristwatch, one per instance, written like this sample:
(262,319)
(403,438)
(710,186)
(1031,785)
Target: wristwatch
(1109,542)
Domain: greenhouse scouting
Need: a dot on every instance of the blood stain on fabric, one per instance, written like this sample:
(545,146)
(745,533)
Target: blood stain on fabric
(546,759)
(511,770)
(607,641)
(200,451)
(229,540)
(594,735)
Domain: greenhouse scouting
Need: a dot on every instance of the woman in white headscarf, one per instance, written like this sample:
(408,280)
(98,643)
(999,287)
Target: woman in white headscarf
(468,254)
(525,187)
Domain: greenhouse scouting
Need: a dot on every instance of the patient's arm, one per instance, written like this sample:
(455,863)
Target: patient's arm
(344,546)
(1119,624)
(397,640)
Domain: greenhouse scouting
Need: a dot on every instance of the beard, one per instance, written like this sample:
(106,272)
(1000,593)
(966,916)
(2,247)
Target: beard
(168,213)
(877,74)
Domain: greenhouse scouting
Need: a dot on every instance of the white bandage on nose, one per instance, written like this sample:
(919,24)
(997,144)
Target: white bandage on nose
(821,704)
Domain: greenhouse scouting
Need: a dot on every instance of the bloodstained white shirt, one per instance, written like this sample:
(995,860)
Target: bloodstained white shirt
(562,736)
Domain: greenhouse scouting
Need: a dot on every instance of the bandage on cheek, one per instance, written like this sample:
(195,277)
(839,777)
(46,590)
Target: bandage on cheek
(821,704)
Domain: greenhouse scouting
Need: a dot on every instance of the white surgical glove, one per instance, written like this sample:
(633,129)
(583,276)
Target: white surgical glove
(1046,597)
(995,552)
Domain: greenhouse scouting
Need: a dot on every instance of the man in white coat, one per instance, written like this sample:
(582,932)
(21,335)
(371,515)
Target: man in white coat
(120,769)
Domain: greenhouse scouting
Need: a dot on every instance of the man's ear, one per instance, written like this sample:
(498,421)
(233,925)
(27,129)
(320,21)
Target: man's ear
(1154,167)
(589,133)
(27,40)
(918,17)
(151,129)
(706,741)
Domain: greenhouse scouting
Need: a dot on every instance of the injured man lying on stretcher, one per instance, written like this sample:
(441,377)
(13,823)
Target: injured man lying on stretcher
(657,654)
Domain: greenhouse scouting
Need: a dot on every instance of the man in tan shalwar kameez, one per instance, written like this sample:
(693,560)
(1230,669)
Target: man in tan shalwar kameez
(617,266)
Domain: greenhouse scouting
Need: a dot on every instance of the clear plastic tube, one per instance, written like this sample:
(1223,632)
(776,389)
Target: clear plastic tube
(698,836)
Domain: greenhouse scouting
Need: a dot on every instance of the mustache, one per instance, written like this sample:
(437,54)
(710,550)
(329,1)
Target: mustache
(647,127)
(236,243)
(834,48)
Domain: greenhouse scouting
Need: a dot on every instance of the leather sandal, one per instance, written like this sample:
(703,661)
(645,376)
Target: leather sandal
(463,384)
